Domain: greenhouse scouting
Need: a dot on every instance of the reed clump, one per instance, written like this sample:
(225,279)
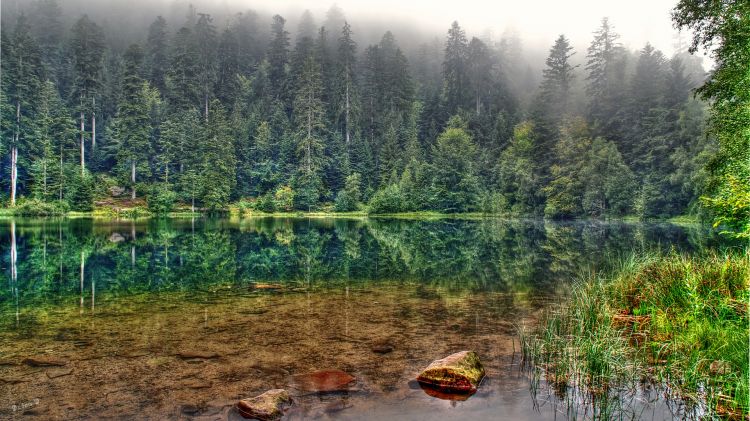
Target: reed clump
(668,322)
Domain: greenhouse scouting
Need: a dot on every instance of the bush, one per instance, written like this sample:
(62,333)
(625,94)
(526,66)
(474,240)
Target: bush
(36,207)
(245,205)
(387,200)
(284,199)
(265,203)
(345,202)
(161,199)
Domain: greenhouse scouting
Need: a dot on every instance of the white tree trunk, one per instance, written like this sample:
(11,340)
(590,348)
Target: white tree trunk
(347,116)
(93,123)
(132,178)
(14,156)
(13,174)
(83,147)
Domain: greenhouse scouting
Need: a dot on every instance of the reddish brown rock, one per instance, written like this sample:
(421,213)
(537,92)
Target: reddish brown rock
(266,407)
(324,381)
(460,372)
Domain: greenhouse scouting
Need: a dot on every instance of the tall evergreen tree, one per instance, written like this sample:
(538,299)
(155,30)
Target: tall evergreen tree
(346,99)
(132,126)
(605,81)
(87,45)
(308,117)
(278,57)
(455,72)
(206,49)
(157,56)
(22,81)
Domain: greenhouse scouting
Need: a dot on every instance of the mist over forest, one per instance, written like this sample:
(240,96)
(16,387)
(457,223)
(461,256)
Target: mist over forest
(214,103)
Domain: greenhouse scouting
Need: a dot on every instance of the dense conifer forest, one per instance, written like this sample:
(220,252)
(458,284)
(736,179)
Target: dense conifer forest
(206,111)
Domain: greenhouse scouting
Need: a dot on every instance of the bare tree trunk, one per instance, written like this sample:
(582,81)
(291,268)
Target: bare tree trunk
(14,156)
(44,180)
(166,174)
(132,178)
(478,102)
(93,123)
(347,116)
(83,147)
(13,174)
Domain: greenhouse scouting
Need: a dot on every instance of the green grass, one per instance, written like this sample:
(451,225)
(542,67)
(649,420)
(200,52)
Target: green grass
(674,321)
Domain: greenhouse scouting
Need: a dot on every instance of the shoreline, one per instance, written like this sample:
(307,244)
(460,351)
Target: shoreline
(139,213)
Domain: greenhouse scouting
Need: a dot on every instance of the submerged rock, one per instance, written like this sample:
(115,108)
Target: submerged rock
(268,406)
(460,372)
(324,381)
(54,373)
(204,355)
(44,361)
(382,347)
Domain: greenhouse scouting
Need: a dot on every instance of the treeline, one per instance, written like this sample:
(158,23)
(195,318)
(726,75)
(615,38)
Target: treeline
(210,116)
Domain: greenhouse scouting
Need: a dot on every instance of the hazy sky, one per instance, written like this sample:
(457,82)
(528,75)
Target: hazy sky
(537,21)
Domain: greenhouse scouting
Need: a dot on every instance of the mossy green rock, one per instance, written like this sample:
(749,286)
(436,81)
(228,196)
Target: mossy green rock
(266,407)
(460,372)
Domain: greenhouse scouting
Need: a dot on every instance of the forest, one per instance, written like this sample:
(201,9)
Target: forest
(210,111)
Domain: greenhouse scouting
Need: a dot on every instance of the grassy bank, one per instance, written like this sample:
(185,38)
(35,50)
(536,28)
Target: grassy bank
(674,323)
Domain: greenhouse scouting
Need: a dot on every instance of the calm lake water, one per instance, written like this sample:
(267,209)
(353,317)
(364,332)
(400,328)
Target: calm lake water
(177,319)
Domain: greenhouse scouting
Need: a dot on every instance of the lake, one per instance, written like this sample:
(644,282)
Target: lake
(180,318)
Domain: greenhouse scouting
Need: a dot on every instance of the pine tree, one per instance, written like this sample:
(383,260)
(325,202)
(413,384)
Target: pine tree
(87,45)
(132,126)
(183,86)
(157,55)
(54,134)
(308,117)
(605,81)
(455,72)
(479,73)
(455,184)
(346,96)
(553,101)
(21,82)
(205,46)
(227,86)
(278,57)
(217,165)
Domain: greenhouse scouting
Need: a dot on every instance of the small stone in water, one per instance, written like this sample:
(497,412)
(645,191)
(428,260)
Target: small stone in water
(459,372)
(266,407)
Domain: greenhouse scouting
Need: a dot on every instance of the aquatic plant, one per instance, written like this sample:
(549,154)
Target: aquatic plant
(673,322)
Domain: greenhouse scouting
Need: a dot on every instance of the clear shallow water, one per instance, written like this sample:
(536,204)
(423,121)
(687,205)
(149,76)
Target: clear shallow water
(127,306)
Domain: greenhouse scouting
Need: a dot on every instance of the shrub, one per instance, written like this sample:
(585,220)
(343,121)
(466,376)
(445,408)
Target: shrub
(345,202)
(161,199)
(36,207)
(265,203)
(284,199)
(387,200)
